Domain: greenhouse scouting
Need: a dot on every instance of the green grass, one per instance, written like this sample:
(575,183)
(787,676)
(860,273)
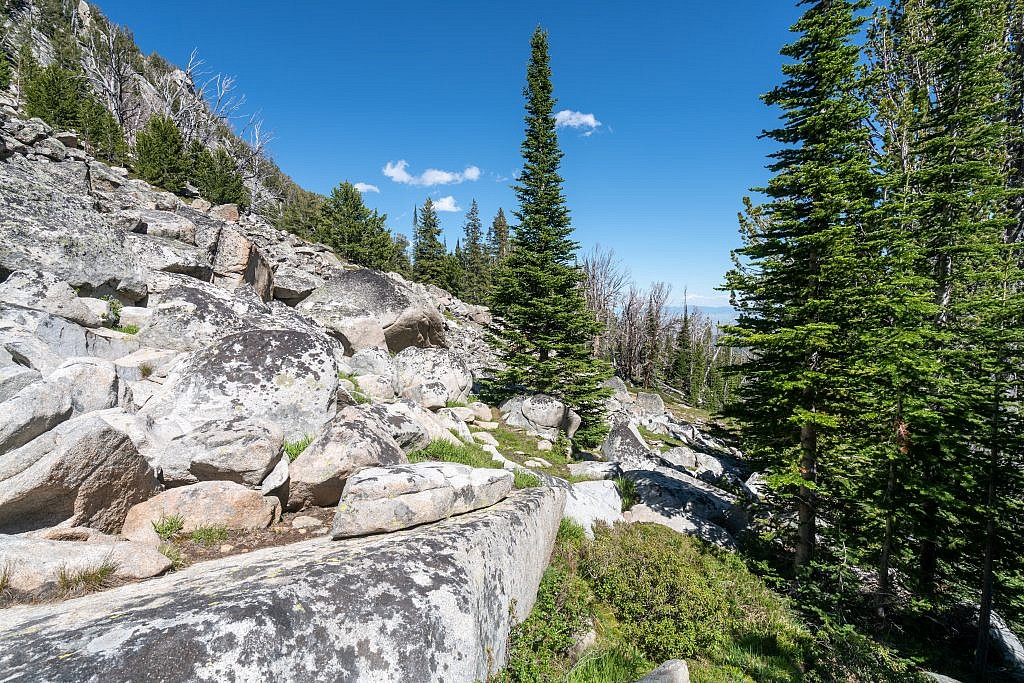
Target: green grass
(465,454)
(627,492)
(619,664)
(146,370)
(209,535)
(295,448)
(512,440)
(525,480)
(168,526)
(456,404)
(357,392)
(173,553)
(6,579)
(126,329)
(81,581)
(667,442)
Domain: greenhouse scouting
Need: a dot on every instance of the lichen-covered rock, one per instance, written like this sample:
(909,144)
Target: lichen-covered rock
(37,567)
(286,377)
(648,404)
(45,292)
(591,502)
(624,445)
(238,449)
(14,378)
(385,499)
(540,415)
(84,472)
(356,304)
(316,610)
(433,374)
(594,470)
(292,285)
(44,340)
(354,440)
(411,425)
(208,503)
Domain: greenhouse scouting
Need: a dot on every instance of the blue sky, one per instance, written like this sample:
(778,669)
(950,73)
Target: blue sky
(351,90)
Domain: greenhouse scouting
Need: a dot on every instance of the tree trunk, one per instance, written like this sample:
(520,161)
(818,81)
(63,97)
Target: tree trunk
(985,604)
(806,520)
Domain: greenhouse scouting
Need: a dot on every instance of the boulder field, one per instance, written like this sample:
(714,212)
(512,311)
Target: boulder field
(171,369)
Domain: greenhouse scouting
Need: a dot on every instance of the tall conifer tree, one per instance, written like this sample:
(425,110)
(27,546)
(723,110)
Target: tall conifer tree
(795,273)
(429,253)
(475,265)
(546,330)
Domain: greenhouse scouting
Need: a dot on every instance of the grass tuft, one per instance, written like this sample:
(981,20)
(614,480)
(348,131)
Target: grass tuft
(209,535)
(81,581)
(168,525)
(627,492)
(525,480)
(295,448)
(127,329)
(444,451)
(174,554)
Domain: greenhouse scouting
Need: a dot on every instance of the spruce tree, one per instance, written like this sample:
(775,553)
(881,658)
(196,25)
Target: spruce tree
(546,330)
(217,178)
(54,95)
(429,254)
(354,231)
(474,259)
(797,270)
(498,238)
(160,156)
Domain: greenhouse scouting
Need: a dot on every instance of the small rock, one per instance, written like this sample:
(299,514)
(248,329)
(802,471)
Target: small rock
(226,548)
(672,671)
(485,438)
(306,522)
(485,424)
(67,138)
(225,212)
(201,205)
(544,445)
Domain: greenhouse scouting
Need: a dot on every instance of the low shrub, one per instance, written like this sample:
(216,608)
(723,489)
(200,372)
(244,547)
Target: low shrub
(525,480)
(127,329)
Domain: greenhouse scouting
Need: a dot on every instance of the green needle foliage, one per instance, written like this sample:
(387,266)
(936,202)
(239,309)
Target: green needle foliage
(217,178)
(354,231)
(475,260)
(160,155)
(545,328)
(429,255)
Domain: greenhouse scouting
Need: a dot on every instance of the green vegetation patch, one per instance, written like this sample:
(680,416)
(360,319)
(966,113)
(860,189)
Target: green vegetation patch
(472,455)
(72,582)
(209,535)
(295,448)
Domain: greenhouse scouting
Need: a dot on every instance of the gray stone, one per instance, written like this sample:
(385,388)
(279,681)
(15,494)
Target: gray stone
(91,383)
(485,438)
(82,473)
(672,671)
(237,449)
(540,415)
(277,478)
(594,470)
(286,377)
(34,410)
(166,224)
(315,610)
(366,308)
(385,499)
(144,363)
(650,404)
(14,378)
(36,565)
(372,361)
(419,367)
(624,445)
(592,502)
(306,522)
(354,440)
(208,503)
(292,285)
(411,425)
(45,292)
(225,212)
(67,138)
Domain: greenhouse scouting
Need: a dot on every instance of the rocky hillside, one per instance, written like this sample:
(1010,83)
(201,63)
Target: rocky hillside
(222,428)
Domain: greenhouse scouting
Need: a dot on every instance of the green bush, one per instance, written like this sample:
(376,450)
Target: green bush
(295,448)
(101,132)
(216,176)
(627,492)
(209,535)
(525,480)
(5,72)
(160,157)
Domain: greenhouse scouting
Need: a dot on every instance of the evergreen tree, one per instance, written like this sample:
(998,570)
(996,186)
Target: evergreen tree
(429,254)
(453,278)
(217,178)
(54,95)
(402,265)
(797,270)
(546,330)
(160,156)
(474,259)
(498,243)
(101,132)
(5,68)
(355,232)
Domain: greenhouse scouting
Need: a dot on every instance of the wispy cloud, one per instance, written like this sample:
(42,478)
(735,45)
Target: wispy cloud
(446,204)
(366,187)
(577,119)
(398,172)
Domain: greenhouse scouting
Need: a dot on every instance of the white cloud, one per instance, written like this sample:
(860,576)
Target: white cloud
(432,176)
(366,187)
(577,119)
(446,204)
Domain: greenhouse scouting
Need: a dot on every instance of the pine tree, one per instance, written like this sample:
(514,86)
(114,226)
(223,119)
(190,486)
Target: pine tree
(546,331)
(795,274)
(354,231)
(401,264)
(474,259)
(429,254)
(54,95)
(160,156)
(5,68)
(101,132)
(498,238)
(217,178)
